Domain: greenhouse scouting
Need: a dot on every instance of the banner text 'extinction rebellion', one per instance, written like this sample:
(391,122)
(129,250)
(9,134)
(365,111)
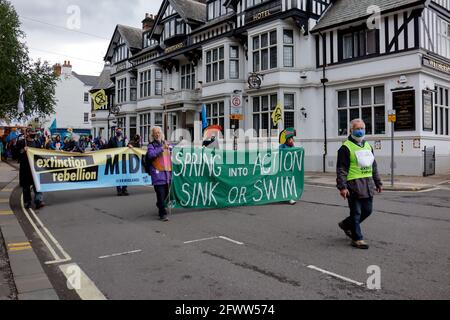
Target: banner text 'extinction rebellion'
(207,178)
(60,171)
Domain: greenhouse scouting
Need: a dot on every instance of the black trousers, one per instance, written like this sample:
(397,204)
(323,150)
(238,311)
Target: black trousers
(162,192)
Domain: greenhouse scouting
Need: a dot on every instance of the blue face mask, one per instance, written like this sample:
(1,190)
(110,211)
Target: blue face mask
(359,133)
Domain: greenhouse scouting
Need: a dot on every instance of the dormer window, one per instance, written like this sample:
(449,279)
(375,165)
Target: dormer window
(174,27)
(121,51)
(217,9)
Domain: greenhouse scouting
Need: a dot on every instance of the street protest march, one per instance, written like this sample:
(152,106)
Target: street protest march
(202,178)
(59,171)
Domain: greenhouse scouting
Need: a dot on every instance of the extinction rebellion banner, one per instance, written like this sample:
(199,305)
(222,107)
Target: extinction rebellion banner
(208,178)
(59,171)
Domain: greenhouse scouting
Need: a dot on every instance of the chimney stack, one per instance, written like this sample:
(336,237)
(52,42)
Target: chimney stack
(66,68)
(57,69)
(148,22)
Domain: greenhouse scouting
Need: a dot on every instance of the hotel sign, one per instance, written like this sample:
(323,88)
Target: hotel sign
(437,65)
(263,12)
(427,110)
(174,48)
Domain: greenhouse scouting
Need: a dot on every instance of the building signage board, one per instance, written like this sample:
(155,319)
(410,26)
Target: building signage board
(404,103)
(263,12)
(174,48)
(427,111)
(435,64)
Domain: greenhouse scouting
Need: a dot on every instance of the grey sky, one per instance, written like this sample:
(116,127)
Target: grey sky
(97,18)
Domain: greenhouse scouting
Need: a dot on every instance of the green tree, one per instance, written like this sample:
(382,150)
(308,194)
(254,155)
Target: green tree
(18,70)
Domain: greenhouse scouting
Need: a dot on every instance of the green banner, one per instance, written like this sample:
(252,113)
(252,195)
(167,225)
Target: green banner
(211,178)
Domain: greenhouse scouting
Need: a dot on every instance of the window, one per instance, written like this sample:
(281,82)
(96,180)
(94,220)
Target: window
(444,38)
(121,90)
(265,52)
(121,52)
(215,65)
(289,111)
(442,106)
(158,82)
(86,97)
(234,62)
(215,113)
(360,43)
(145,126)
(133,127)
(133,89)
(173,27)
(263,108)
(145,84)
(288,48)
(364,103)
(188,77)
(86,117)
(159,120)
(252,3)
(217,9)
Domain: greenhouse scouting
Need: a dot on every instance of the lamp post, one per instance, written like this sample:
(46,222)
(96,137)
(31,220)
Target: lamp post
(112,110)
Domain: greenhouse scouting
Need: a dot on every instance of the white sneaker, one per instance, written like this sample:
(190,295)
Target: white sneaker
(292,202)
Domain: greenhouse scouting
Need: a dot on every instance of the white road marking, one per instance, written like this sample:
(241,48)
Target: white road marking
(87,290)
(52,238)
(120,254)
(231,240)
(200,240)
(57,258)
(44,240)
(213,238)
(336,276)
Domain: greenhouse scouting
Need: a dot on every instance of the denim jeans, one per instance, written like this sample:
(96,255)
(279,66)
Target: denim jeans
(161,194)
(360,210)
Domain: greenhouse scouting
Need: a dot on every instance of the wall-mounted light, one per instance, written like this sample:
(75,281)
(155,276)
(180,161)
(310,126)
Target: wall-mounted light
(304,113)
(304,75)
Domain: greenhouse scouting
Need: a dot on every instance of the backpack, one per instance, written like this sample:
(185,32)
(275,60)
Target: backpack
(147,162)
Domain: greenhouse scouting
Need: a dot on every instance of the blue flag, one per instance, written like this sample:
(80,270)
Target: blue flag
(53,127)
(204,118)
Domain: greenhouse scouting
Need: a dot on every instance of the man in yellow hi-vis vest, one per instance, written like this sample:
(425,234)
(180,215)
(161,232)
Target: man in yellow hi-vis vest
(357,180)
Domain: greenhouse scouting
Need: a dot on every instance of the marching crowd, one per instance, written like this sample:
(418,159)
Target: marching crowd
(357,173)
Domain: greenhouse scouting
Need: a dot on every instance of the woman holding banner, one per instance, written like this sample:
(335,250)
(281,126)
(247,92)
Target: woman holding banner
(159,166)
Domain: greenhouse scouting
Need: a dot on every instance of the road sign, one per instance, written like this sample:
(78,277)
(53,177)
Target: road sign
(392,116)
(236,112)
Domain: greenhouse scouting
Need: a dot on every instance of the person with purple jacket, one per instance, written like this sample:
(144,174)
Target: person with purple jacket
(161,176)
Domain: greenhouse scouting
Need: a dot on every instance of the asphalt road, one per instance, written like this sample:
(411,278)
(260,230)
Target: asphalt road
(271,252)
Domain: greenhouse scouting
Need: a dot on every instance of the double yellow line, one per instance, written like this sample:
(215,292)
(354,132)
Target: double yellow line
(22,246)
(6,213)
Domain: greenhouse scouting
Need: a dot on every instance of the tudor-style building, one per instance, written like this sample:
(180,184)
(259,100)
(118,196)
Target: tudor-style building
(325,62)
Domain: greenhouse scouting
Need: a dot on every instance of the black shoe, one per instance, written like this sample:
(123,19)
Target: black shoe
(125,193)
(28,206)
(40,205)
(164,219)
(119,193)
(348,232)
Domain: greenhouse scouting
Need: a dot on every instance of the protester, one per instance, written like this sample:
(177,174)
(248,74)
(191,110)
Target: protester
(136,141)
(357,179)
(161,176)
(26,178)
(119,141)
(69,143)
(57,144)
(290,134)
(1,150)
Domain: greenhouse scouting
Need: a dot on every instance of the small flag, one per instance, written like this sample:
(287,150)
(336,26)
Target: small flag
(21,103)
(53,127)
(100,99)
(204,118)
(277,115)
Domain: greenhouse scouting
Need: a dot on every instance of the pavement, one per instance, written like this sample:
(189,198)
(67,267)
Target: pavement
(21,274)
(401,183)
(122,252)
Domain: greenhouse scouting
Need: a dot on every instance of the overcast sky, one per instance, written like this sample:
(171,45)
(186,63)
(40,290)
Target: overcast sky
(77,30)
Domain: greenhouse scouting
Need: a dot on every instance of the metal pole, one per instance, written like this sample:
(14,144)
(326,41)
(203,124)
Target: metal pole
(392,153)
